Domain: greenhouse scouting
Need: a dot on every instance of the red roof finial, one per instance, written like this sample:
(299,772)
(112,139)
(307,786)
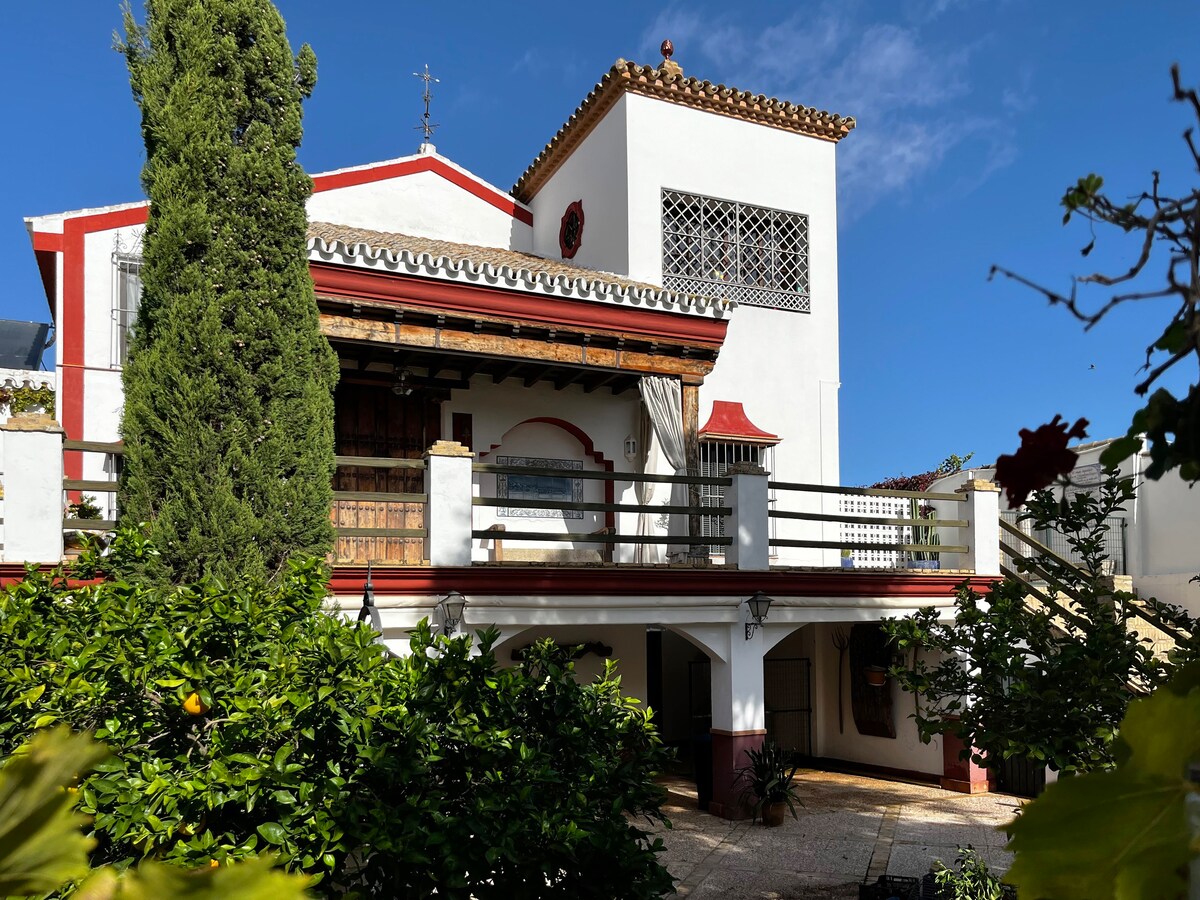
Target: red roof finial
(667,49)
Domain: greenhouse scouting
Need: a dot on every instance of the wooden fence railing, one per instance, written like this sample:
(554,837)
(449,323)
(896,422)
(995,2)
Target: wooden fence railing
(928,526)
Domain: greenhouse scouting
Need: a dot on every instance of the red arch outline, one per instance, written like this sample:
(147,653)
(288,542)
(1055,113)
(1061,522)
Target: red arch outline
(589,447)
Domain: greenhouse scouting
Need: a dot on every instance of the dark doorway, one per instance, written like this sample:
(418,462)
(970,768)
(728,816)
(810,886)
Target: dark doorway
(787,696)
(375,421)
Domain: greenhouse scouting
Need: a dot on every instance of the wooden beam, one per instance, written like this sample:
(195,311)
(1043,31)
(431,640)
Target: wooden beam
(536,375)
(506,372)
(571,376)
(599,382)
(345,328)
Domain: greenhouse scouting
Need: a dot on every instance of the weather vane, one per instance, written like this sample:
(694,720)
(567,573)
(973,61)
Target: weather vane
(426,126)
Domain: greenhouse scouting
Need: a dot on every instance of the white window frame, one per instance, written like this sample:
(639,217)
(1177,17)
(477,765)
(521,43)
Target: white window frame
(126,282)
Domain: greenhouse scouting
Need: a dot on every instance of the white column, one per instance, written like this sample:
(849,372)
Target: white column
(448,509)
(33,489)
(982,534)
(738,716)
(737,683)
(748,522)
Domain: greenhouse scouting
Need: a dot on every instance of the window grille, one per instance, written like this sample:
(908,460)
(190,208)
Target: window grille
(750,254)
(127,295)
(860,532)
(715,459)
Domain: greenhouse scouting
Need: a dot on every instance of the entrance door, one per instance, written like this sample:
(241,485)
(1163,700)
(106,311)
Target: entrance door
(787,698)
(373,421)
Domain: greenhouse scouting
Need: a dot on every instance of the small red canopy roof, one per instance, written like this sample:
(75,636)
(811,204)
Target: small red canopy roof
(728,422)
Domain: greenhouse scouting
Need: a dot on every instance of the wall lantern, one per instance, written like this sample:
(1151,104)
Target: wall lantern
(630,447)
(452,611)
(369,613)
(759,605)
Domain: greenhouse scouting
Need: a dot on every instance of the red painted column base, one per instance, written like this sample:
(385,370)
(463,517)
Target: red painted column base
(729,755)
(963,775)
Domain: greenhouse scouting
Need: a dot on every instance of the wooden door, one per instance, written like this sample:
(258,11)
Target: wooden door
(374,421)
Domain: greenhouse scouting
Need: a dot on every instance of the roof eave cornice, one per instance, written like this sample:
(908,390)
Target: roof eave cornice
(673,87)
(445,268)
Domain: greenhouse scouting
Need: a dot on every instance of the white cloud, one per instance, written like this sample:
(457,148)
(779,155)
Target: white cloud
(908,92)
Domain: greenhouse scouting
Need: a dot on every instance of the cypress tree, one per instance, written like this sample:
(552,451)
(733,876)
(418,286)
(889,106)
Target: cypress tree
(228,419)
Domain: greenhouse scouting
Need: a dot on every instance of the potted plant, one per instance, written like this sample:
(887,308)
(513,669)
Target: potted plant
(924,534)
(876,676)
(847,559)
(767,783)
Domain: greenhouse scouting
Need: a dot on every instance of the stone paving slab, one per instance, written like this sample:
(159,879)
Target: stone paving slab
(850,829)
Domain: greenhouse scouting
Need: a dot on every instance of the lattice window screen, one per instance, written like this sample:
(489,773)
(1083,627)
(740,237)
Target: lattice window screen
(883,508)
(751,254)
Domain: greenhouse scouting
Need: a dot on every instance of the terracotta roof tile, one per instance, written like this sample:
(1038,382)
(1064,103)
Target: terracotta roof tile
(440,253)
(668,83)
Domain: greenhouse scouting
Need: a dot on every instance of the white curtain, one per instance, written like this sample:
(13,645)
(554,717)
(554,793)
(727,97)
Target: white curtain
(663,397)
(645,554)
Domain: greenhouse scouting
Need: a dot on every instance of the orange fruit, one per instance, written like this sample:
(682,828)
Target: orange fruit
(194,706)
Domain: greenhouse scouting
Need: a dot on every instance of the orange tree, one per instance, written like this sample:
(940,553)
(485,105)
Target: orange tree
(243,718)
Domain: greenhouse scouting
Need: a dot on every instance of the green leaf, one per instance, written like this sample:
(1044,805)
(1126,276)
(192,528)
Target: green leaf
(1084,834)
(1163,733)
(41,844)
(272,833)
(251,880)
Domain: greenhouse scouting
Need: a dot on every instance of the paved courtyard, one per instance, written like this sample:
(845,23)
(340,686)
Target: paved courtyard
(850,829)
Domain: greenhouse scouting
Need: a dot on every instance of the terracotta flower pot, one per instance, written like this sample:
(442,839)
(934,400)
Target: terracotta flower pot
(876,676)
(773,814)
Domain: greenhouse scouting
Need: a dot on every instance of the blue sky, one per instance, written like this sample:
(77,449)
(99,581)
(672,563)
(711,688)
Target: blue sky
(973,117)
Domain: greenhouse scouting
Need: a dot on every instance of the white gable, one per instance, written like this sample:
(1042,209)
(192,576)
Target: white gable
(424,196)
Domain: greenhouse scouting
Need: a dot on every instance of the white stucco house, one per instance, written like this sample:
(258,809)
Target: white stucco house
(563,400)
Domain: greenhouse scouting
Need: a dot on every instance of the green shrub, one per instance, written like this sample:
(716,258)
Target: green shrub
(301,722)
(244,719)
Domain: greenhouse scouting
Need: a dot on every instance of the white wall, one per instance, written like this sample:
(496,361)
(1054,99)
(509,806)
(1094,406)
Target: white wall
(783,366)
(497,411)
(595,173)
(423,204)
(628,644)
(905,751)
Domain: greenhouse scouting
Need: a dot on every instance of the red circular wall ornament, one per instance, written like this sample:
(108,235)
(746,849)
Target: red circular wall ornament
(570,232)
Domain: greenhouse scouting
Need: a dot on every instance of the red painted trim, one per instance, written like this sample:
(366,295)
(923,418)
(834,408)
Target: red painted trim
(585,440)
(471,300)
(48,240)
(729,420)
(627,581)
(501,201)
(569,252)
(14,573)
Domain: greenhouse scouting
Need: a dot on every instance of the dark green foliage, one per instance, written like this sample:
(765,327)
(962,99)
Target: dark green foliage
(970,878)
(228,419)
(1122,833)
(767,778)
(383,776)
(1039,684)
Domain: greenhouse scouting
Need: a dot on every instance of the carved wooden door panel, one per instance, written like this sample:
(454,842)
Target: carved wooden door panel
(373,421)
